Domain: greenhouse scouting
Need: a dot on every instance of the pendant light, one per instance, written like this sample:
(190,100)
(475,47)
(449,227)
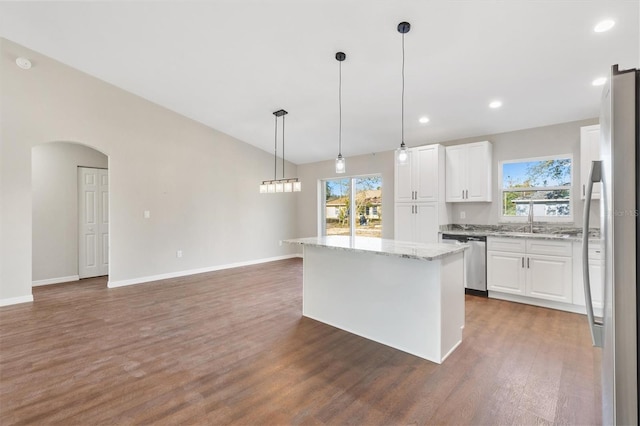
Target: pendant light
(284,184)
(401,153)
(341,165)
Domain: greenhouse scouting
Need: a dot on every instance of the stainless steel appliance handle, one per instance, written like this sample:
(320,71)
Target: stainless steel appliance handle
(595,175)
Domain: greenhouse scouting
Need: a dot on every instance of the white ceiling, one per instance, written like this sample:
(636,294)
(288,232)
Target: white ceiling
(230,63)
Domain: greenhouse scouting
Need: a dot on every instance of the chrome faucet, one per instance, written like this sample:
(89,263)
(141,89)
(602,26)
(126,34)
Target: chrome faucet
(530,218)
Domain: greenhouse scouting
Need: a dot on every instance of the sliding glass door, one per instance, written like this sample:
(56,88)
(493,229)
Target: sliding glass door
(352,206)
(337,200)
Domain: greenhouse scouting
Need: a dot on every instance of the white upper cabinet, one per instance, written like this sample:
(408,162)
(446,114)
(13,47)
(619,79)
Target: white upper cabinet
(468,172)
(589,151)
(419,195)
(417,181)
(457,158)
(404,192)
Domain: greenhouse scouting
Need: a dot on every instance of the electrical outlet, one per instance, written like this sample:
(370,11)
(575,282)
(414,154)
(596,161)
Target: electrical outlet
(179,253)
(147,214)
(463,215)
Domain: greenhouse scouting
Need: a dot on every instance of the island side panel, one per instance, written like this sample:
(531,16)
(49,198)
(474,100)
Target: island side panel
(391,300)
(452,303)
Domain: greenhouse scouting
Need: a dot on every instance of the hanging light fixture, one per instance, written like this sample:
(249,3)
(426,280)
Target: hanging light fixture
(284,184)
(341,163)
(401,153)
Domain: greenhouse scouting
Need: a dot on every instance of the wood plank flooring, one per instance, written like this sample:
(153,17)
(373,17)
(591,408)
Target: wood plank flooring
(231,347)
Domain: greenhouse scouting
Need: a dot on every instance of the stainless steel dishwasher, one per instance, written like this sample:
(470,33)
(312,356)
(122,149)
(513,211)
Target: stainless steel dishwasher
(475,262)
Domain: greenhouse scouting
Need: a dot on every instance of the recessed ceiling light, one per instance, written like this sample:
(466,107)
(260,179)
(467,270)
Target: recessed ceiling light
(603,26)
(599,81)
(423,120)
(23,63)
(495,104)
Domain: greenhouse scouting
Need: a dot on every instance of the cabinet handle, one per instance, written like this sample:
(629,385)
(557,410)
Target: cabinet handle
(416,209)
(466,193)
(583,189)
(463,194)
(411,209)
(523,262)
(528,263)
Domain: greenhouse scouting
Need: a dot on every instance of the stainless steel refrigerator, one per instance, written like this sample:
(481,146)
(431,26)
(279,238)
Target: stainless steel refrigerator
(617,332)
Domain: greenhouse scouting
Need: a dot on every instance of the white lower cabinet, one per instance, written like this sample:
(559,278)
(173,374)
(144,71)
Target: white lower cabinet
(533,268)
(505,273)
(595,276)
(549,277)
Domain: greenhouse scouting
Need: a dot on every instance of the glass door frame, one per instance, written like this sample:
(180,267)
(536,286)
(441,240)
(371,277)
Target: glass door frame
(322,192)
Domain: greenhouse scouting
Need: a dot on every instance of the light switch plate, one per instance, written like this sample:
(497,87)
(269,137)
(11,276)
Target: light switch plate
(463,215)
(147,214)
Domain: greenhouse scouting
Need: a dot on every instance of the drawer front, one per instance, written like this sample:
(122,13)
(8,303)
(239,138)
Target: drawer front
(595,251)
(549,247)
(511,245)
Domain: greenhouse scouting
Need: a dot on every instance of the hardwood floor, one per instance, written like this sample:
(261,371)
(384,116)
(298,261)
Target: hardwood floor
(231,347)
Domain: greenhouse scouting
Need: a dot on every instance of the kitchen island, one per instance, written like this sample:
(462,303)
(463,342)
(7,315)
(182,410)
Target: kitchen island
(405,295)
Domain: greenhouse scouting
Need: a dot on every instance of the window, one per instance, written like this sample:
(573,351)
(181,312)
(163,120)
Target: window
(541,184)
(363,192)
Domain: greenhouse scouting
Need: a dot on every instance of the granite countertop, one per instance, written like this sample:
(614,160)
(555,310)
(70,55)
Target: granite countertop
(511,231)
(382,247)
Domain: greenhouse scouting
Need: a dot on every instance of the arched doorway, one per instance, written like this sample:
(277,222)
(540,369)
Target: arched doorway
(57,210)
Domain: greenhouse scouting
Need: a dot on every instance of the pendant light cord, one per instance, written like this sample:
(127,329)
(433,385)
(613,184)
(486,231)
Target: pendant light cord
(402,88)
(340,109)
(283,117)
(275,150)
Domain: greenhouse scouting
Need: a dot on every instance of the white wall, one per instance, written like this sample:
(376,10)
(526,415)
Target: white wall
(537,142)
(200,185)
(312,173)
(549,140)
(54,186)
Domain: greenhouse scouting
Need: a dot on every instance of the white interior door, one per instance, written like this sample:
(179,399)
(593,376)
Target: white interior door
(93,215)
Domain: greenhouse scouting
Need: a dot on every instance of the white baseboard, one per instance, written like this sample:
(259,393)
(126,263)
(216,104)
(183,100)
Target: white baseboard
(140,280)
(15,300)
(568,307)
(55,280)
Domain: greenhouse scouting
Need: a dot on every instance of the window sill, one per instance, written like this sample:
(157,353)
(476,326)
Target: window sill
(545,221)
